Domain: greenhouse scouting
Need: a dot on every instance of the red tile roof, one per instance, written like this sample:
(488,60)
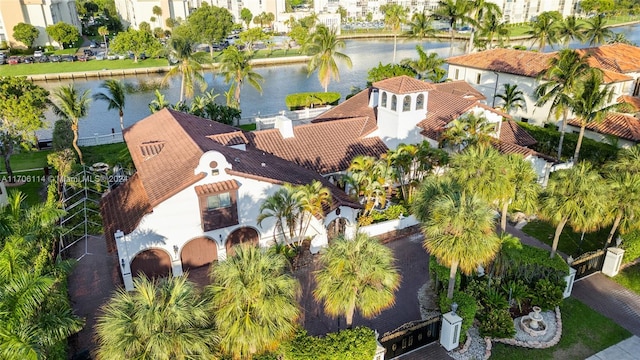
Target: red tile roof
(460,88)
(633,101)
(624,126)
(512,133)
(214,188)
(356,106)
(403,85)
(325,147)
(123,208)
(618,57)
(442,108)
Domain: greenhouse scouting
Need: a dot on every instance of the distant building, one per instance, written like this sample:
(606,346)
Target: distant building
(37,13)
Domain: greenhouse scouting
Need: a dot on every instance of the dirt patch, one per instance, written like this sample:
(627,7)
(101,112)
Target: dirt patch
(576,351)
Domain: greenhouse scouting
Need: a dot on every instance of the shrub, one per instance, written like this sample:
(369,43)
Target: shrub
(494,300)
(497,324)
(440,275)
(394,212)
(309,99)
(356,344)
(631,246)
(467,308)
(518,291)
(547,295)
(365,220)
(531,264)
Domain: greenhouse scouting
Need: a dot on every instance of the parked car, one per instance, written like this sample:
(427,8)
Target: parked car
(88,52)
(83,58)
(100,55)
(93,45)
(13,60)
(28,60)
(69,58)
(2,61)
(54,58)
(37,53)
(43,59)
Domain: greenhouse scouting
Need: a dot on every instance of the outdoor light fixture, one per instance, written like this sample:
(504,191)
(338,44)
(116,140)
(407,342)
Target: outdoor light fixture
(122,263)
(175,249)
(338,211)
(220,237)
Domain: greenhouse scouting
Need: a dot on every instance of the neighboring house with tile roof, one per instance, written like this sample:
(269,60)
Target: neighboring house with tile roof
(199,184)
(624,128)
(489,70)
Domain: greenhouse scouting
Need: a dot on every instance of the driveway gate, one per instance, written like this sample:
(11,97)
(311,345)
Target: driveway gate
(411,336)
(588,263)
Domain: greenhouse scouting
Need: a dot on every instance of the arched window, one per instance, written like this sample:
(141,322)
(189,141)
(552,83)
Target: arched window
(420,102)
(406,103)
(384,100)
(394,103)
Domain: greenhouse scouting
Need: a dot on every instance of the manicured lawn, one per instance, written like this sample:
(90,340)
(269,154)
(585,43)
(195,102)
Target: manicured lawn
(519,30)
(78,66)
(28,160)
(33,186)
(111,154)
(584,333)
(248,127)
(629,278)
(569,241)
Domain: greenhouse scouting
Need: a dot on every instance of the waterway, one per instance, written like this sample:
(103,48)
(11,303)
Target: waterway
(279,81)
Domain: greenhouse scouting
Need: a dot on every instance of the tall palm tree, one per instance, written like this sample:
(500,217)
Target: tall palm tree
(492,27)
(189,66)
(468,129)
(284,208)
(356,275)
(454,11)
(571,29)
(479,11)
(590,104)
(168,319)
(426,64)
(70,105)
(597,31)
(512,99)
(368,179)
(115,97)
(236,68)
(312,199)
(159,103)
(104,31)
(324,49)
(575,197)
(627,160)
(624,201)
(253,301)
(394,16)
(460,233)
(421,26)
(560,79)
(544,30)
(157,11)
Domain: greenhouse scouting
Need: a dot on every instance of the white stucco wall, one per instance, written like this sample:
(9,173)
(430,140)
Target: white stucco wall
(621,143)
(398,126)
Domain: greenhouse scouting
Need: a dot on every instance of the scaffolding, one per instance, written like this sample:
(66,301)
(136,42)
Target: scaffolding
(81,194)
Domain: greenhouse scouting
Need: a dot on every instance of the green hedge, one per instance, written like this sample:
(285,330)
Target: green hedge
(548,138)
(467,308)
(631,245)
(440,276)
(309,99)
(531,264)
(354,344)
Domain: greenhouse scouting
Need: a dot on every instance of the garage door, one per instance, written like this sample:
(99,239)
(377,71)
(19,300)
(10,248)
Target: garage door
(154,263)
(241,236)
(198,252)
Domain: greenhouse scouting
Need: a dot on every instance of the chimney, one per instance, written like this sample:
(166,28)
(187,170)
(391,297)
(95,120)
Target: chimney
(285,126)
(373,98)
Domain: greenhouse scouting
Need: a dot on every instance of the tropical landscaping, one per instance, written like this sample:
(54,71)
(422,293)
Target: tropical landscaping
(465,196)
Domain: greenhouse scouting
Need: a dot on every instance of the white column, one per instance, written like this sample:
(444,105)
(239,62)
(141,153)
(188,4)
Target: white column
(569,279)
(450,331)
(612,261)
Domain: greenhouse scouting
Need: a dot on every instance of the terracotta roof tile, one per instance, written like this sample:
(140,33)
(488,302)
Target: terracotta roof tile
(634,101)
(511,132)
(624,126)
(325,147)
(620,58)
(460,88)
(218,187)
(123,208)
(517,62)
(510,148)
(356,106)
(230,139)
(442,108)
(403,85)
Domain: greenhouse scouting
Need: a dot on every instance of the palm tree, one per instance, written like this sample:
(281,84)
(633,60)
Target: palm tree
(425,65)
(467,130)
(571,29)
(369,178)
(324,49)
(253,301)
(188,66)
(597,31)
(575,197)
(619,38)
(491,27)
(565,71)
(394,16)
(115,97)
(356,275)
(590,99)
(159,103)
(71,106)
(512,98)
(454,11)
(544,30)
(236,68)
(459,232)
(420,26)
(627,160)
(312,199)
(283,206)
(624,199)
(167,319)
(157,11)
(104,31)
(479,11)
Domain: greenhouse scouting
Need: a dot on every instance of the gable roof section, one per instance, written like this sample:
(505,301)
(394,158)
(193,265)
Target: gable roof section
(325,147)
(517,62)
(460,88)
(633,101)
(356,106)
(216,188)
(442,108)
(620,58)
(624,126)
(403,85)
(123,208)
(511,132)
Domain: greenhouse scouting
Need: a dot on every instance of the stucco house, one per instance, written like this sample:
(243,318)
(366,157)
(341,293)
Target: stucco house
(621,130)
(488,70)
(199,184)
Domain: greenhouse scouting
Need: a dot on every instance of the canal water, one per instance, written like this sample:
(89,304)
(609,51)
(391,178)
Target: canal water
(279,81)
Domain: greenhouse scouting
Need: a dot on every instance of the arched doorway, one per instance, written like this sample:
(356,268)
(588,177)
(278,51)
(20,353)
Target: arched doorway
(243,235)
(154,263)
(198,252)
(336,228)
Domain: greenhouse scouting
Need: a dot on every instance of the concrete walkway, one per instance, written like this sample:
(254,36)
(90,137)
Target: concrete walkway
(625,350)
